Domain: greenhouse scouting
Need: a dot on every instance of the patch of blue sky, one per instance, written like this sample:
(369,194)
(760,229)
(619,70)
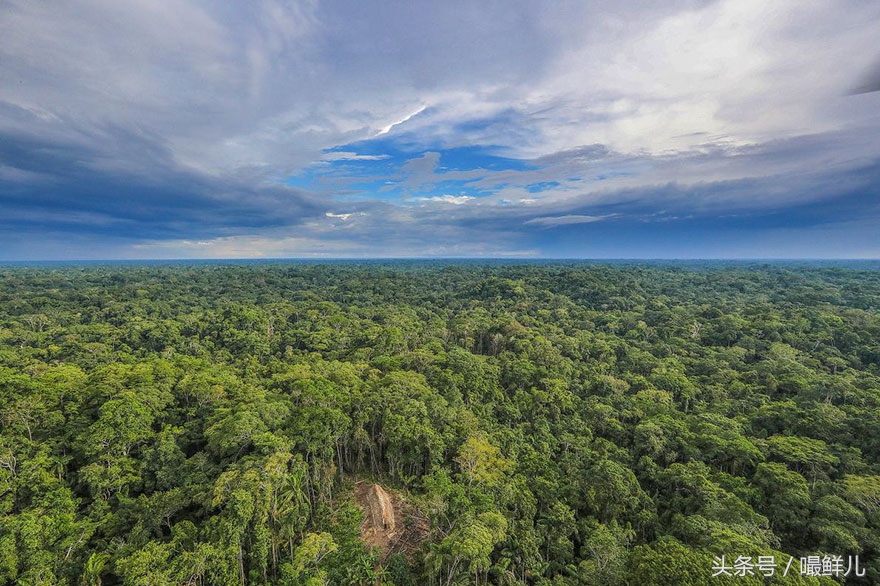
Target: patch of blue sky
(402,147)
(302,180)
(470,158)
(380,146)
(390,190)
(346,174)
(612,174)
(542,186)
(377,166)
(452,187)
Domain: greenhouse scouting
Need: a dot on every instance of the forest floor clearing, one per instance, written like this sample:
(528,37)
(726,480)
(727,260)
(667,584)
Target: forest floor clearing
(390,523)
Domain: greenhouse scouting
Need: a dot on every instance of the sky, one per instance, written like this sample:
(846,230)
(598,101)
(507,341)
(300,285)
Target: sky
(359,129)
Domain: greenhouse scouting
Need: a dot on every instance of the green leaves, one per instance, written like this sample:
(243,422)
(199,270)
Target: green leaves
(783,497)
(314,548)
(481,462)
(669,563)
(544,425)
(469,547)
(863,491)
(612,491)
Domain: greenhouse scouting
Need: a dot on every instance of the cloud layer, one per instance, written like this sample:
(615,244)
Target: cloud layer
(349,129)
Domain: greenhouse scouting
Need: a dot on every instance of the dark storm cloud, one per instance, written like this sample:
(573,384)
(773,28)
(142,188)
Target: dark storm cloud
(55,186)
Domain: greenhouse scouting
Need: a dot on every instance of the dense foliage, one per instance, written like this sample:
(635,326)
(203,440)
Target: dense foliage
(557,424)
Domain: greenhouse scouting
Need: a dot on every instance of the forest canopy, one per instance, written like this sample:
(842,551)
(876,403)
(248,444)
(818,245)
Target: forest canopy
(552,423)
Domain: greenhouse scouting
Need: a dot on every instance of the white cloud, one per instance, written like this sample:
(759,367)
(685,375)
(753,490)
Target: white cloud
(277,245)
(344,217)
(553,221)
(347,156)
(245,247)
(740,70)
(408,117)
(268,87)
(456,200)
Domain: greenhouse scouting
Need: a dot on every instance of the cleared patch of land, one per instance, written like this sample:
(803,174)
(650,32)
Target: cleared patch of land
(390,523)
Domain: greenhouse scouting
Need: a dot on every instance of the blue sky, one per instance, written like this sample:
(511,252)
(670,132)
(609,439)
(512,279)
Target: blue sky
(633,129)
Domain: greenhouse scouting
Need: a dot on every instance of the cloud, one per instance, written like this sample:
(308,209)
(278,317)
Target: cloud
(344,217)
(450,199)
(242,125)
(69,187)
(346,156)
(387,129)
(553,221)
(869,80)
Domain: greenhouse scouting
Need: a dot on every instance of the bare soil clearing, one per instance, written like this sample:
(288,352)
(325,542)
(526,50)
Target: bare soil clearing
(390,523)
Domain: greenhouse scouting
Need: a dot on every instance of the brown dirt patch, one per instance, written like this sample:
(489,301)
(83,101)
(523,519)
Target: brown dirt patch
(390,523)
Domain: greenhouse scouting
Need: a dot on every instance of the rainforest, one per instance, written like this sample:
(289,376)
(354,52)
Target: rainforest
(440,423)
